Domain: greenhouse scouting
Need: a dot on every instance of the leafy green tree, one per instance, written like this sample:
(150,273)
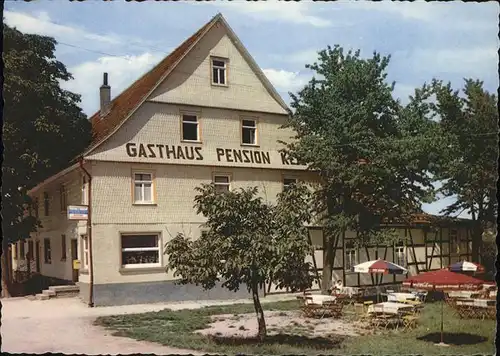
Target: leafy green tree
(371,153)
(248,242)
(44,128)
(468,166)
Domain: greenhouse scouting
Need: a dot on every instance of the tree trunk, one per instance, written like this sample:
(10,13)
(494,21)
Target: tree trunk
(262,333)
(5,270)
(328,251)
(328,260)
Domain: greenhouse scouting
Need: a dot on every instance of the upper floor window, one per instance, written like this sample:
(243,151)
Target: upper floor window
(143,188)
(84,191)
(288,182)
(219,71)
(222,183)
(249,132)
(62,197)
(46,204)
(190,128)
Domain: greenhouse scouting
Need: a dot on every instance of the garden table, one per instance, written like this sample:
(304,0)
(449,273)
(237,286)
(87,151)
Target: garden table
(480,303)
(400,297)
(389,308)
(320,298)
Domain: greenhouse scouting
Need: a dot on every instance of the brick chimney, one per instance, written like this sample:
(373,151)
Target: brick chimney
(105,95)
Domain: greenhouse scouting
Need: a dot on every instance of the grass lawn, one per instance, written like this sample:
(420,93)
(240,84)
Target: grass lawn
(175,328)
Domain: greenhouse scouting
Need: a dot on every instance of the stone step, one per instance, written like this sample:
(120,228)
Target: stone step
(69,288)
(49,292)
(42,297)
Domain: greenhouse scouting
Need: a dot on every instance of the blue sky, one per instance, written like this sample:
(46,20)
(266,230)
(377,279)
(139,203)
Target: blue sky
(446,40)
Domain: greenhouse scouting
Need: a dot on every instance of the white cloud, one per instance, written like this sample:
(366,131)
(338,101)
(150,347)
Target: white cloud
(43,25)
(447,15)
(122,71)
(285,81)
(470,61)
(292,12)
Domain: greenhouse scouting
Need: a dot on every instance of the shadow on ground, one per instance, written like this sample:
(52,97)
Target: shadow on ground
(457,339)
(282,339)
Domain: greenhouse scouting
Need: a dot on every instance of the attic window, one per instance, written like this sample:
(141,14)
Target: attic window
(219,71)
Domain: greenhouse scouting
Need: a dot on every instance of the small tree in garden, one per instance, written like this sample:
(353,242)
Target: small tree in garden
(248,242)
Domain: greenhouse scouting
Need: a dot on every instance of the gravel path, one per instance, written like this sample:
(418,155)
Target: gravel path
(65,325)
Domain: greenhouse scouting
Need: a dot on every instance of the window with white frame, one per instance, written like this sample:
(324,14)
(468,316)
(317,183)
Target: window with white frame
(219,71)
(288,182)
(85,251)
(143,188)
(84,191)
(47,251)
(350,259)
(62,197)
(249,132)
(222,183)
(190,128)
(400,255)
(140,250)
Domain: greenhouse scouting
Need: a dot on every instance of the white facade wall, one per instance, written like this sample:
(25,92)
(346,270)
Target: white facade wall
(172,212)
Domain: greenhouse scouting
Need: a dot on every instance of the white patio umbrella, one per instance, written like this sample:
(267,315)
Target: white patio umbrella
(379,267)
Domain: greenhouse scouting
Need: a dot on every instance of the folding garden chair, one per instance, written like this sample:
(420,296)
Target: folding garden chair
(409,322)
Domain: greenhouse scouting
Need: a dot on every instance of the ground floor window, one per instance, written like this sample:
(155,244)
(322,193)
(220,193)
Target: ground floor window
(351,259)
(140,250)
(21,250)
(222,183)
(400,255)
(63,247)
(30,250)
(47,252)
(85,252)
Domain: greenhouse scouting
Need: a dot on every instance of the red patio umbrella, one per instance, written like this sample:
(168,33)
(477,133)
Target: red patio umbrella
(443,280)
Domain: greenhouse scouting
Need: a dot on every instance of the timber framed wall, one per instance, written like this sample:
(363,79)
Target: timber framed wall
(426,249)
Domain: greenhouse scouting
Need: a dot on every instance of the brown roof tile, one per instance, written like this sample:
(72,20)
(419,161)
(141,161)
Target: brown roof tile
(129,99)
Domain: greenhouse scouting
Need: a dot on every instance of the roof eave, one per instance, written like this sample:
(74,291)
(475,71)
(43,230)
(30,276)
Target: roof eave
(52,179)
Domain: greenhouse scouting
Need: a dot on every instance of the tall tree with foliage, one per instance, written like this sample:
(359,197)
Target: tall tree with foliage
(469,162)
(248,242)
(372,154)
(44,128)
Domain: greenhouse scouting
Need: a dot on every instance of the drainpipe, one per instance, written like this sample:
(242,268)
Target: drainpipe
(89,236)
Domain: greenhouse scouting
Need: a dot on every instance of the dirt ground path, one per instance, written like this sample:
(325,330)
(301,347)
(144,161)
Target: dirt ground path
(65,325)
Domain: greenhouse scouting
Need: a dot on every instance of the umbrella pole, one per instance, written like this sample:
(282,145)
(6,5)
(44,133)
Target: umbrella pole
(442,302)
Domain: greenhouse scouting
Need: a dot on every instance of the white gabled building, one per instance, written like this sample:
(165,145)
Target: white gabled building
(206,113)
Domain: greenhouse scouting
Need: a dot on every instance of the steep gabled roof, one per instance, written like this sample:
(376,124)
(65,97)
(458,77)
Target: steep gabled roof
(125,104)
(132,97)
